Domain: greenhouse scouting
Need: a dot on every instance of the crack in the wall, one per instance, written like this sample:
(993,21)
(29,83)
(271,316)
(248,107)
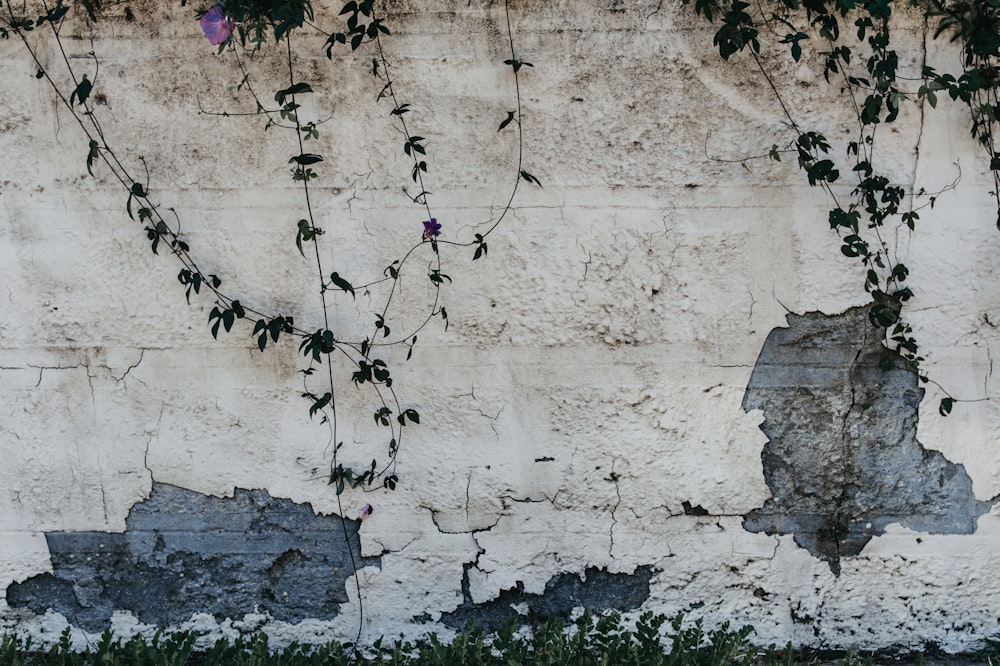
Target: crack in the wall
(842,460)
(183,553)
(613,477)
(42,368)
(119,380)
(473,531)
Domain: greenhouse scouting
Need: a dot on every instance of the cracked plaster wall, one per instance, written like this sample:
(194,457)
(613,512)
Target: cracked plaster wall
(583,436)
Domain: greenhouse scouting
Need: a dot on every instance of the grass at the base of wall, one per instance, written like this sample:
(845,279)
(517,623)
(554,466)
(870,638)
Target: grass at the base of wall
(602,641)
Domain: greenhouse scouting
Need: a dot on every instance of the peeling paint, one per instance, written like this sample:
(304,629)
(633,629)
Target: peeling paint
(842,459)
(597,590)
(183,552)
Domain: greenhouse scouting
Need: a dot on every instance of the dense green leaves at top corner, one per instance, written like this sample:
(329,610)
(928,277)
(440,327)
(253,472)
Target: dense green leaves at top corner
(362,25)
(54,15)
(706,8)
(737,31)
(254,17)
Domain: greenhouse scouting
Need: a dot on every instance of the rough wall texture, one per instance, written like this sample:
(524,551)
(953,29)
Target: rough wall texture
(842,460)
(622,414)
(183,553)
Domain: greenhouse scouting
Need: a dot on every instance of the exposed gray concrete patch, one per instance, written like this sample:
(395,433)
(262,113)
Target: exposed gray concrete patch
(183,552)
(598,590)
(842,460)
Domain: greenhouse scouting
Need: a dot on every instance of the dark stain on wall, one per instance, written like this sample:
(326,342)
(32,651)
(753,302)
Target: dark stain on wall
(842,459)
(598,590)
(183,552)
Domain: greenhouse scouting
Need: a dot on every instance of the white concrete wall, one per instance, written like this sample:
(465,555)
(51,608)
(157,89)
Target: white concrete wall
(613,326)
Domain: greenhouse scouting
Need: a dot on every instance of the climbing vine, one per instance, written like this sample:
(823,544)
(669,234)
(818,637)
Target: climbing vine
(242,29)
(853,40)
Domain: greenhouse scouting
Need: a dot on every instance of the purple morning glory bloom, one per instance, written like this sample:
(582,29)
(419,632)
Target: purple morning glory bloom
(431,228)
(217,26)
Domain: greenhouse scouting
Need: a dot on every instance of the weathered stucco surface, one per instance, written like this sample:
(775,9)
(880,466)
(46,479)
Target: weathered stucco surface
(596,428)
(842,461)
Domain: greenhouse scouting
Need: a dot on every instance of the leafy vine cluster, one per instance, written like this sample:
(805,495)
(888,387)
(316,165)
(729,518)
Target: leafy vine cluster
(243,29)
(853,41)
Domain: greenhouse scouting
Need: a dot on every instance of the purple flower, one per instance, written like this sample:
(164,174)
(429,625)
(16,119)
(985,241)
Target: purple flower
(431,228)
(366,511)
(217,26)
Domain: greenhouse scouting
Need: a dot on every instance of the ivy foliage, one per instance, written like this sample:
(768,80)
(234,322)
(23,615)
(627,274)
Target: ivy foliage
(242,29)
(853,40)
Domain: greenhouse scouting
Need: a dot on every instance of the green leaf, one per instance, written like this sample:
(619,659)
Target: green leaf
(410,414)
(945,407)
(437,277)
(260,328)
(320,404)
(506,121)
(305,159)
(517,64)
(342,283)
(92,155)
(480,251)
(528,177)
(295,89)
(305,233)
(82,91)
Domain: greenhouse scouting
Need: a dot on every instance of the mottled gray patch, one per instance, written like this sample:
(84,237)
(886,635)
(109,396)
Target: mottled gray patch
(183,552)
(598,590)
(842,460)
